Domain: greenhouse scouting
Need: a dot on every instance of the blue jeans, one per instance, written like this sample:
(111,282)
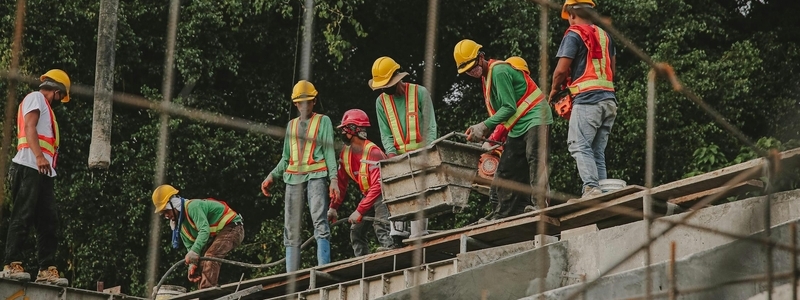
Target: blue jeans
(589,127)
(358,231)
(315,192)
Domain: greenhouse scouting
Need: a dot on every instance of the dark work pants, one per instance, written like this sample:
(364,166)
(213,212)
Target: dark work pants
(34,204)
(518,163)
(358,231)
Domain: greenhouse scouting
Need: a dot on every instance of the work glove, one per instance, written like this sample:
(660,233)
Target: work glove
(477,132)
(333,191)
(355,217)
(191,257)
(333,215)
(265,185)
(194,275)
(487,146)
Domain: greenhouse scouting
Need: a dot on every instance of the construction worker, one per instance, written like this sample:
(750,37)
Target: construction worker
(513,100)
(519,63)
(500,133)
(357,149)
(31,176)
(197,221)
(587,56)
(308,167)
(405,118)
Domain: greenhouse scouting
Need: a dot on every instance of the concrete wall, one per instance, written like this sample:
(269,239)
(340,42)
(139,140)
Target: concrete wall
(508,278)
(594,252)
(736,260)
(15,290)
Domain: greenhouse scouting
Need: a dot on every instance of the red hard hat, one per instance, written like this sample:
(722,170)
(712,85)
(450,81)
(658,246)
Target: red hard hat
(356,117)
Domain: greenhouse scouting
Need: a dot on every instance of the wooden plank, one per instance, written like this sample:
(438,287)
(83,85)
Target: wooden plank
(601,211)
(743,187)
(717,178)
(565,208)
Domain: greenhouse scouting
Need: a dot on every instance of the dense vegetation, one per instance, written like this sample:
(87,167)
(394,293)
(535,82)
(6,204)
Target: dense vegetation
(740,56)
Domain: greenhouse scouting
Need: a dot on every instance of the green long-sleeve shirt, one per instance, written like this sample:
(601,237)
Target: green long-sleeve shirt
(322,150)
(427,119)
(202,213)
(508,86)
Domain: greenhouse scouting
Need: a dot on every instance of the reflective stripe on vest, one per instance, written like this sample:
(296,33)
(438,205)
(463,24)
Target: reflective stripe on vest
(598,74)
(227,216)
(533,95)
(49,145)
(363,170)
(304,164)
(413,140)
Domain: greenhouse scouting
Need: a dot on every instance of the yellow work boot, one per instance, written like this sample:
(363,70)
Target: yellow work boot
(15,271)
(51,276)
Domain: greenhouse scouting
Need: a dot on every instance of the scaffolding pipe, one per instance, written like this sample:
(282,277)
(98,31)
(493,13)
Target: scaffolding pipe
(11,100)
(100,147)
(648,178)
(542,176)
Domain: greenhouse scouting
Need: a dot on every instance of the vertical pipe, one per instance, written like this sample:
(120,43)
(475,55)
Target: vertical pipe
(308,39)
(793,236)
(648,199)
(11,100)
(768,167)
(542,183)
(163,142)
(100,147)
(673,283)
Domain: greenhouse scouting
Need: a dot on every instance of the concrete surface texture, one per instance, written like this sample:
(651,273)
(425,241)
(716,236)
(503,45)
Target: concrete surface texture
(508,278)
(594,252)
(705,272)
(783,292)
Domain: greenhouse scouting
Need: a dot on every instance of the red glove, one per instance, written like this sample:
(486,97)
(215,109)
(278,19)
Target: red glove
(194,275)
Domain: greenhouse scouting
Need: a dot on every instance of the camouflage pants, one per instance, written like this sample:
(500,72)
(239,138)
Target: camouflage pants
(226,240)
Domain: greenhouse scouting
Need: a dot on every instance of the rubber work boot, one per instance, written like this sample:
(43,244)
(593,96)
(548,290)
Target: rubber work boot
(51,276)
(323,252)
(14,271)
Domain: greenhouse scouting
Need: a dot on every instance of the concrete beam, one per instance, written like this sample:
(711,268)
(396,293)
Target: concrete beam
(16,290)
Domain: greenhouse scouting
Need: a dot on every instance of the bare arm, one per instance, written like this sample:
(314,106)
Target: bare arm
(560,74)
(614,65)
(32,136)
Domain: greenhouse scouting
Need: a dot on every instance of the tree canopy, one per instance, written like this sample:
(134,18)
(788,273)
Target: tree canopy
(740,56)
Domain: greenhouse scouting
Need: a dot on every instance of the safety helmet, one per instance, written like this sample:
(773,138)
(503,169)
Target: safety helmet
(565,14)
(465,53)
(58,76)
(161,196)
(518,63)
(355,117)
(382,71)
(303,91)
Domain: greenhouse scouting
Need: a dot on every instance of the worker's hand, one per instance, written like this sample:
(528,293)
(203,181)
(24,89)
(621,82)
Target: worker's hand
(355,217)
(333,191)
(43,165)
(477,132)
(487,146)
(194,275)
(191,257)
(553,93)
(265,185)
(333,215)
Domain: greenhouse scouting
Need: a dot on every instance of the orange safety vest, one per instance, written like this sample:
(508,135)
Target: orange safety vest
(363,170)
(304,164)
(227,216)
(413,140)
(533,95)
(49,145)
(598,74)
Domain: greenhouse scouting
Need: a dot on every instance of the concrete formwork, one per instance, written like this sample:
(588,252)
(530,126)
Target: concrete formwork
(16,290)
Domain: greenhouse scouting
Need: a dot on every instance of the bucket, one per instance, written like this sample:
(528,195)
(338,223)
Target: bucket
(169,291)
(609,185)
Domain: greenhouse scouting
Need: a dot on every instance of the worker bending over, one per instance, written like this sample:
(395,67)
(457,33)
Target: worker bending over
(307,165)
(406,120)
(353,165)
(197,221)
(514,101)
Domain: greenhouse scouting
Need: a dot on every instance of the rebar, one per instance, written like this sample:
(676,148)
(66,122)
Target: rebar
(542,176)
(673,281)
(793,236)
(648,177)
(11,100)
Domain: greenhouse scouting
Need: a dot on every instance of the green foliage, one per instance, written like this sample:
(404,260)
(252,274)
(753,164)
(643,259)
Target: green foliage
(241,58)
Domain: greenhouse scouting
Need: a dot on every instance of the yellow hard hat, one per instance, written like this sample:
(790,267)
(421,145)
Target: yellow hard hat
(161,196)
(518,63)
(303,91)
(465,53)
(565,15)
(60,77)
(382,71)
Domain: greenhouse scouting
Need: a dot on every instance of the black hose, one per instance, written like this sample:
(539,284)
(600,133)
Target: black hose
(247,265)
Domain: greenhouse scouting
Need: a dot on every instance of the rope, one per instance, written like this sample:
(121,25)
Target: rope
(248,265)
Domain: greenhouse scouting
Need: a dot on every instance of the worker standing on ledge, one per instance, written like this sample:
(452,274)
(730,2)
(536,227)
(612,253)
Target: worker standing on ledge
(515,101)
(358,149)
(31,176)
(197,221)
(307,164)
(405,118)
(587,54)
